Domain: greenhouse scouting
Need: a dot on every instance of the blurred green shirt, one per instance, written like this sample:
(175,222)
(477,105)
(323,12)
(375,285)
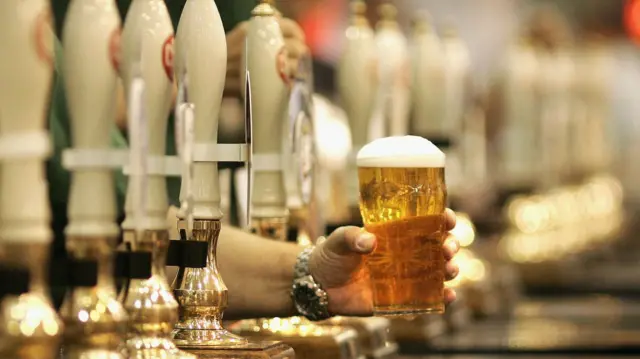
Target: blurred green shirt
(231,11)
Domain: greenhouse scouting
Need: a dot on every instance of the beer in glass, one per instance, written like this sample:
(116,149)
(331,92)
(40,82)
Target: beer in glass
(402,202)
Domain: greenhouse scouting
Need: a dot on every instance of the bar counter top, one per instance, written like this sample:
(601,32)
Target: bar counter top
(553,327)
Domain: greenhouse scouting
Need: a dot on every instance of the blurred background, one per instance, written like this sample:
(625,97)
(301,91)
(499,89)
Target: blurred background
(544,171)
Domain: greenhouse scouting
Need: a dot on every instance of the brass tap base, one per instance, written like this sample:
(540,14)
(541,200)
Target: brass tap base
(42,337)
(95,321)
(308,340)
(422,329)
(95,324)
(373,334)
(202,297)
(30,328)
(200,338)
(150,326)
(251,350)
(153,311)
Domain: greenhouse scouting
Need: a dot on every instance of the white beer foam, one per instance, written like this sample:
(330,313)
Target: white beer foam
(401,151)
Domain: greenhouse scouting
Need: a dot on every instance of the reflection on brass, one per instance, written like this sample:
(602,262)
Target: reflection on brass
(29,326)
(153,311)
(272,228)
(95,321)
(309,340)
(202,297)
(373,334)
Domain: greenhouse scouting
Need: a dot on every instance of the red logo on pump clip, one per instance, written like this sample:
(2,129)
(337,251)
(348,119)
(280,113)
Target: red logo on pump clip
(115,48)
(167,56)
(43,36)
(281,65)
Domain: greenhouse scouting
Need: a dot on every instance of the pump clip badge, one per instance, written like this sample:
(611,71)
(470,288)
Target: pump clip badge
(302,140)
(167,57)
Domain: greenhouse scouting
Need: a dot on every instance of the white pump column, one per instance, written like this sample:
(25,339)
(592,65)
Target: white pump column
(91,41)
(25,235)
(518,142)
(200,68)
(391,116)
(358,86)
(266,58)
(147,72)
(428,83)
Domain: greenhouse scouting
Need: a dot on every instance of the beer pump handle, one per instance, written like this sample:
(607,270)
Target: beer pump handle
(91,42)
(202,57)
(357,79)
(357,75)
(428,82)
(266,58)
(147,74)
(25,75)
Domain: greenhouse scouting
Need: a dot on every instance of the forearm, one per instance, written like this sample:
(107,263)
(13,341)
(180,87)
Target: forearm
(258,273)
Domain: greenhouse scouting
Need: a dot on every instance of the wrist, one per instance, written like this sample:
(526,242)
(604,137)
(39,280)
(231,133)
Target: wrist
(308,296)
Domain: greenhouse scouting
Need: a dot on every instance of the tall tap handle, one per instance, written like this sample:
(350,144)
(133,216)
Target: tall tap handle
(265,58)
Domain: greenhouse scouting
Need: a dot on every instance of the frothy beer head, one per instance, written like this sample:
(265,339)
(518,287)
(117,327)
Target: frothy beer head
(401,152)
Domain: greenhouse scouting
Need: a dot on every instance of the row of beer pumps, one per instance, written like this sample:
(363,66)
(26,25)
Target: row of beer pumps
(383,91)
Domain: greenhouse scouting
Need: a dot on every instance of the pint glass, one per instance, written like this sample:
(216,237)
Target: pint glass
(402,202)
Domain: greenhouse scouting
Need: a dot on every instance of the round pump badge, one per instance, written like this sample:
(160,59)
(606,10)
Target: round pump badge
(303,143)
(167,56)
(43,36)
(115,49)
(304,156)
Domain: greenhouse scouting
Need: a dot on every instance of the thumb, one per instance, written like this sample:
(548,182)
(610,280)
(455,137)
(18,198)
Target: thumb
(350,240)
(338,257)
